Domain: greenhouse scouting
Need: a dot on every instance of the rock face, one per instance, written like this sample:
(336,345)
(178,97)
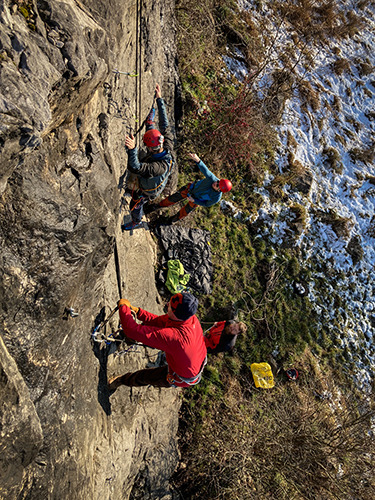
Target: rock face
(64,114)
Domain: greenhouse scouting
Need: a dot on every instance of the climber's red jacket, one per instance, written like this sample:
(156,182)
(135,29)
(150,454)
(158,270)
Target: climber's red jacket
(182,341)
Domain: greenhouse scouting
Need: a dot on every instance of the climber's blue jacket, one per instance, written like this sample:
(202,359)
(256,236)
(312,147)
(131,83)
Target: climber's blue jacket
(153,171)
(202,190)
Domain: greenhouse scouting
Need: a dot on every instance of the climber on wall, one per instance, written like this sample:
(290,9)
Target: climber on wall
(222,336)
(178,333)
(205,192)
(154,170)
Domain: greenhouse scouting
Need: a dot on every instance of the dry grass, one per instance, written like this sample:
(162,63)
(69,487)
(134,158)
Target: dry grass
(308,96)
(365,155)
(333,159)
(340,225)
(316,20)
(302,439)
(340,66)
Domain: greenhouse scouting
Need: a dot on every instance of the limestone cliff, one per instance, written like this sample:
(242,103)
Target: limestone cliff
(64,114)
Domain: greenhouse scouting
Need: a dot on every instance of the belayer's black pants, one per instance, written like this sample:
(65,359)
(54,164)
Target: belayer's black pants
(136,206)
(149,376)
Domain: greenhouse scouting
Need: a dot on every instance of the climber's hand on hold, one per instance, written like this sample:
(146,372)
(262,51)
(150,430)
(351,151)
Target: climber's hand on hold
(130,141)
(157,91)
(125,302)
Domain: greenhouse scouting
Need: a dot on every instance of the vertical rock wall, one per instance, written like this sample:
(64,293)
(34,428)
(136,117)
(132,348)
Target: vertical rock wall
(64,114)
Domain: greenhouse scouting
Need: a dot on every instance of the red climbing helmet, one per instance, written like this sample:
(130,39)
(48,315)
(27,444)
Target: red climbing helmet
(225,185)
(153,138)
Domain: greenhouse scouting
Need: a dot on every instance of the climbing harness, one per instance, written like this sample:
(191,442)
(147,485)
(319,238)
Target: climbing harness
(174,379)
(171,163)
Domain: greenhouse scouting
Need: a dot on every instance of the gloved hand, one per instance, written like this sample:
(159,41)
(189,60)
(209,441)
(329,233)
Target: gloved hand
(125,302)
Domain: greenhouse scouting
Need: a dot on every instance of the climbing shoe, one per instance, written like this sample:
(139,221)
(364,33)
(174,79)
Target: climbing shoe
(150,207)
(114,383)
(131,225)
(172,220)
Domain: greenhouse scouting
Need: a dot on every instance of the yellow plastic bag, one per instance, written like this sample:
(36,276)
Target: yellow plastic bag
(262,375)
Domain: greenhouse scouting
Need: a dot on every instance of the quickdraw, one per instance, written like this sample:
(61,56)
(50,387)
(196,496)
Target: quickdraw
(105,340)
(117,72)
(131,348)
(101,337)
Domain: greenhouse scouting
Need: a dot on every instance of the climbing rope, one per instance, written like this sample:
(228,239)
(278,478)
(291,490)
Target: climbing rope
(119,110)
(138,47)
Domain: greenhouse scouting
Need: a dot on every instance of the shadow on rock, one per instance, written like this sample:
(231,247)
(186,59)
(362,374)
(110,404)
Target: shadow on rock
(101,352)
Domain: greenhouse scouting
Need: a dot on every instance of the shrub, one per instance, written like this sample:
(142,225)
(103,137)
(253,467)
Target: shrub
(309,96)
(365,68)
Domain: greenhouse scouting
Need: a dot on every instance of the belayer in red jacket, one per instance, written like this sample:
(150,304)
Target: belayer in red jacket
(222,336)
(178,333)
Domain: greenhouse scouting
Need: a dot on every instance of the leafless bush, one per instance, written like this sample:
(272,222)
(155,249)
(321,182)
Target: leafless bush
(351,26)
(313,20)
(365,68)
